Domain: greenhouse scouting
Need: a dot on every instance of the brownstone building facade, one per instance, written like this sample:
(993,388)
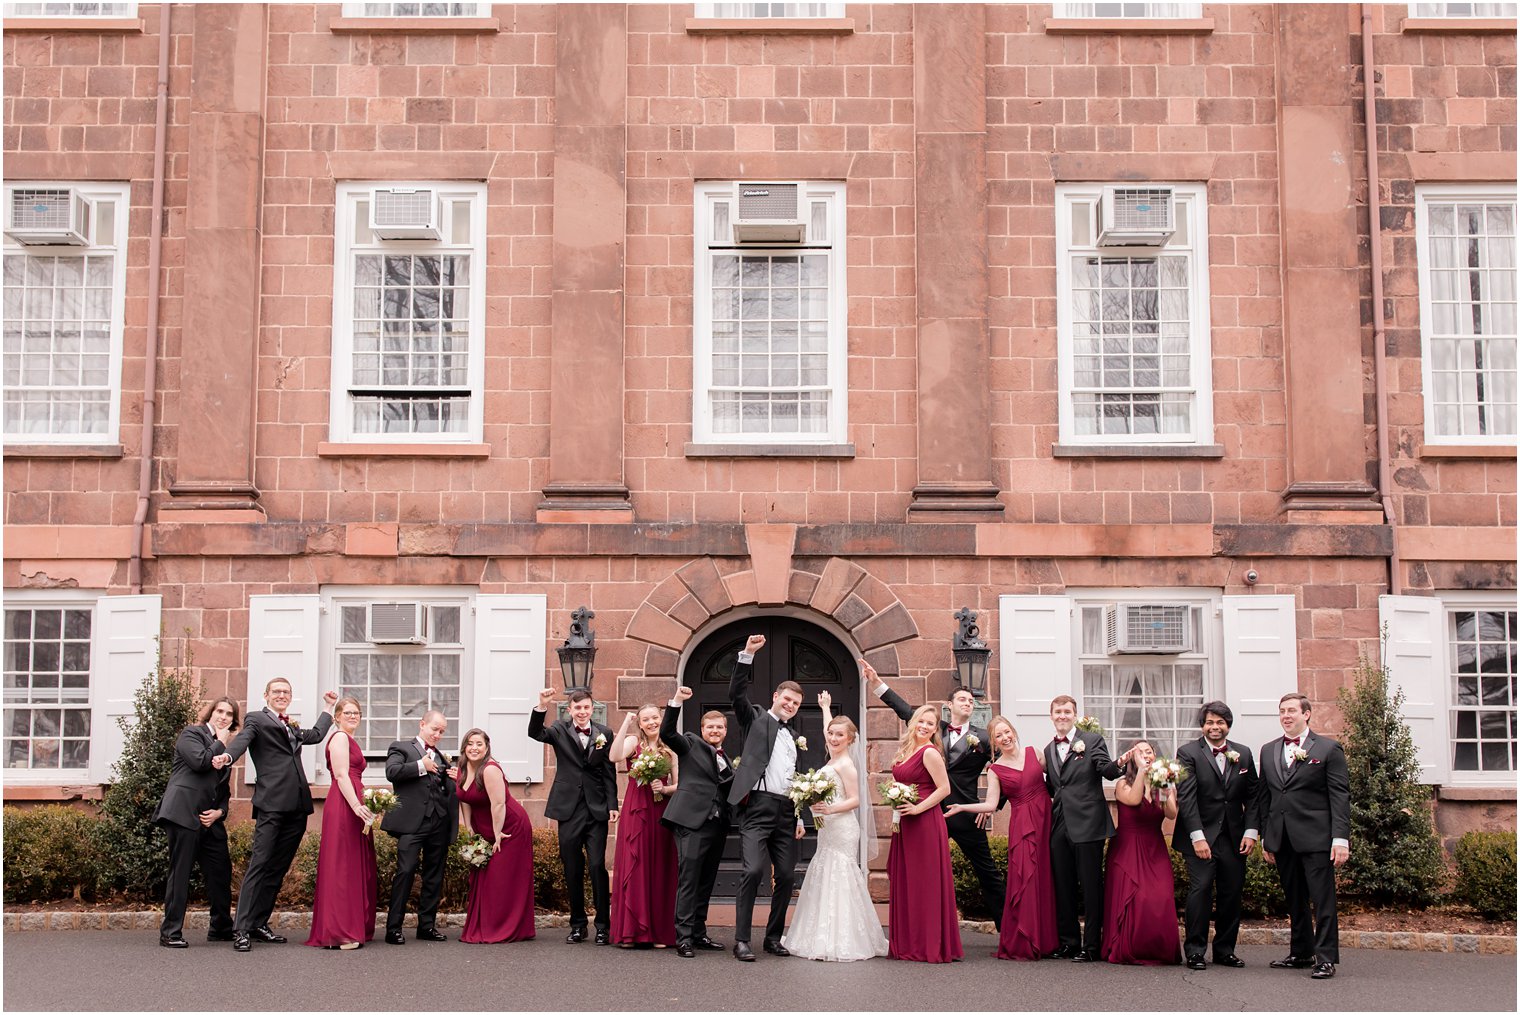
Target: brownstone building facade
(362,343)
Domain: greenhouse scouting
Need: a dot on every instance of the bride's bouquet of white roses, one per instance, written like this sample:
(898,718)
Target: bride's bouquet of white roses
(648,766)
(1164,772)
(894,794)
(474,849)
(380,803)
(809,788)
(1088,724)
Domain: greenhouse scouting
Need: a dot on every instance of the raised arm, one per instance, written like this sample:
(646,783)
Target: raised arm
(738,685)
(625,744)
(318,731)
(825,700)
(669,736)
(875,685)
(537,717)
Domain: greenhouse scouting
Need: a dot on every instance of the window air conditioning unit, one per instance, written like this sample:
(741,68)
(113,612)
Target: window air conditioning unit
(47,216)
(1147,629)
(1136,216)
(769,213)
(397,213)
(398,623)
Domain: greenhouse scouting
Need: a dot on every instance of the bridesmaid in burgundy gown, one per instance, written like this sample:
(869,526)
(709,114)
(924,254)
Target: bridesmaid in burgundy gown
(343,909)
(501,892)
(1029,914)
(923,925)
(1141,921)
(644,868)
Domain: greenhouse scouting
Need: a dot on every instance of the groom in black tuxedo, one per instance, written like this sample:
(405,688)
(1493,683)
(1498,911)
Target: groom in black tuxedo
(1214,806)
(424,824)
(1303,810)
(968,749)
(698,816)
(281,804)
(584,801)
(1076,763)
(768,824)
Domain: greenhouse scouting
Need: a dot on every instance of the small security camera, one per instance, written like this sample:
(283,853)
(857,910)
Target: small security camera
(1252,577)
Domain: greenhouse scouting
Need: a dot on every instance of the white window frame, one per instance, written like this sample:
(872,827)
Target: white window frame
(120,193)
(349,195)
(1192,201)
(35,599)
(334,598)
(1160,11)
(72,10)
(1209,655)
(1473,10)
(1456,602)
(388,10)
(761,11)
(1425,196)
(705,194)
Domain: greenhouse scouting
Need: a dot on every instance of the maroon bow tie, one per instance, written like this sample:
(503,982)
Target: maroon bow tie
(720,753)
(1061,740)
(953,729)
(1291,740)
(1219,750)
(284,718)
(583,731)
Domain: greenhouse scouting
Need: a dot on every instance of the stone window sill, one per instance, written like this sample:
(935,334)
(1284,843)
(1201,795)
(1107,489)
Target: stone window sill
(1476,26)
(1137,450)
(770,26)
(73,24)
(414,26)
(63,451)
(770,450)
(335,449)
(1506,451)
(54,792)
(1476,793)
(1129,26)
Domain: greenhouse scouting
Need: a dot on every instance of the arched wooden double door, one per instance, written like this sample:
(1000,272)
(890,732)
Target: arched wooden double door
(794,650)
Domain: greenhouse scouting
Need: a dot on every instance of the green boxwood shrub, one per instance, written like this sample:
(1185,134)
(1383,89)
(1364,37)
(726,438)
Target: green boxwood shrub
(1485,873)
(49,853)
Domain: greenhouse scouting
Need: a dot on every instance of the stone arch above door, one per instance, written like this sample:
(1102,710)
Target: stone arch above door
(852,597)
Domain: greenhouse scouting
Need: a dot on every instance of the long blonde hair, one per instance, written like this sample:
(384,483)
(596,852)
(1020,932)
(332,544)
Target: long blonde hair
(992,731)
(907,745)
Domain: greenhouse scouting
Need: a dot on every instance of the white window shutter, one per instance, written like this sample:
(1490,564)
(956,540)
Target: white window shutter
(1034,641)
(124,653)
(283,637)
(510,634)
(1415,653)
(1260,664)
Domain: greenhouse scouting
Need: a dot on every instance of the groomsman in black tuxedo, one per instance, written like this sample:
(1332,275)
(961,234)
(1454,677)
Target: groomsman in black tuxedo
(698,816)
(768,824)
(1076,763)
(281,804)
(194,814)
(584,801)
(968,749)
(1214,806)
(1303,810)
(424,824)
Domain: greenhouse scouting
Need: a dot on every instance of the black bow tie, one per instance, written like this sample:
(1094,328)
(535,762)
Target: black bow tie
(786,724)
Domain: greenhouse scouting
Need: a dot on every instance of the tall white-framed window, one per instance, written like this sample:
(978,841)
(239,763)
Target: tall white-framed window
(1133,314)
(1465,242)
(71,10)
(768,10)
(1482,662)
(64,292)
(400,652)
(1126,10)
(769,362)
(416,10)
(1442,10)
(49,649)
(409,312)
(1140,695)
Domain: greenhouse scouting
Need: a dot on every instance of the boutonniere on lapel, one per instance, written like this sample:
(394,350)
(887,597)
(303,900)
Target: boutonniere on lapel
(292,724)
(1233,757)
(735,763)
(1078,747)
(1299,754)
(973,741)
(600,741)
(801,743)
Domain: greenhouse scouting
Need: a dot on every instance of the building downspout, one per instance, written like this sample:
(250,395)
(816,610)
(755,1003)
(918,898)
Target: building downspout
(155,256)
(1379,323)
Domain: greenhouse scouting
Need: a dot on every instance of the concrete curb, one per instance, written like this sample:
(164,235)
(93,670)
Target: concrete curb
(197,920)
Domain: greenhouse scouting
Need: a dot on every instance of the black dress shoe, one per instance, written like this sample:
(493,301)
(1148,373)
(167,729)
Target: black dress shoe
(1085,956)
(1291,962)
(1323,971)
(264,935)
(603,937)
(576,936)
(395,937)
(218,935)
(431,934)
(708,944)
(685,950)
(164,941)
(776,948)
(240,942)
(1063,952)
(742,951)
(1196,962)
(1232,960)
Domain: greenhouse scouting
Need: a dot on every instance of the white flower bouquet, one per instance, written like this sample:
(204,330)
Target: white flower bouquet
(1087,724)
(474,850)
(1164,772)
(809,788)
(893,795)
(648,766)
(380,802)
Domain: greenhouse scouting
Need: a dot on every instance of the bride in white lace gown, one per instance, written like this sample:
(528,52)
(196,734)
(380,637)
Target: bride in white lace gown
(834,919)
